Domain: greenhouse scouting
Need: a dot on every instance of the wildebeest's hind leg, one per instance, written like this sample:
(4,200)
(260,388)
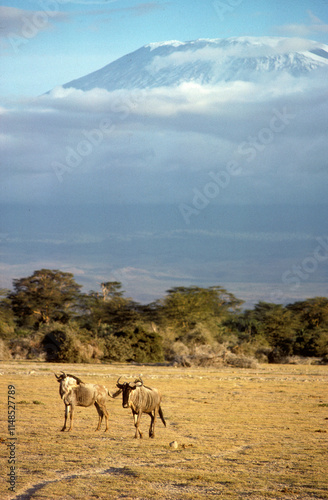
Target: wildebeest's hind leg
(152,423)
(106,417)
(161,415)
(102,410)
(101,414)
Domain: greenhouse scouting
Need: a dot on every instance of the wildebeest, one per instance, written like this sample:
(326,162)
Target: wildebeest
(141,399)
(74,392)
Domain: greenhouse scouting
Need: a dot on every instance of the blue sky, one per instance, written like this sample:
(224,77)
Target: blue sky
(49,42)
(117,214)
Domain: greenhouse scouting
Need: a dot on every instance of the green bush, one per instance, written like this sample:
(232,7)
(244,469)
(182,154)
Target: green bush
(47,317)
(5,353)
(138,345)
(69,344)
(117,348)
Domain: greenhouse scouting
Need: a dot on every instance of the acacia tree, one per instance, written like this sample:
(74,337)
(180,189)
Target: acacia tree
(312,312)
(110,308)
(184,307)
(6,316)
(312,335)
(111,290)
(274,323)
(47,295)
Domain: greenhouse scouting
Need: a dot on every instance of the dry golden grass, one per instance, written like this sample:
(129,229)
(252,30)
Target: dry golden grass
(242,433)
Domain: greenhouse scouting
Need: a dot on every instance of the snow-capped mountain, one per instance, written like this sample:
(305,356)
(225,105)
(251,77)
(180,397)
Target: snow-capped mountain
(207,61)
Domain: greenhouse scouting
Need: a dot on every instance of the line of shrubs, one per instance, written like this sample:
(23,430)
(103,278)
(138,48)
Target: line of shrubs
(48,318)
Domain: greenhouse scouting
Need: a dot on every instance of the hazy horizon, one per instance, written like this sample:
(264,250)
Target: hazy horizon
(249,250)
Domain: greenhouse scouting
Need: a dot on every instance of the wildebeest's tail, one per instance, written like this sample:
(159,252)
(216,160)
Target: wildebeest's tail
(161,415)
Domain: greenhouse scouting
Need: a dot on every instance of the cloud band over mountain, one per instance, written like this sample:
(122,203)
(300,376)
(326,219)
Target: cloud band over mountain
(170,136)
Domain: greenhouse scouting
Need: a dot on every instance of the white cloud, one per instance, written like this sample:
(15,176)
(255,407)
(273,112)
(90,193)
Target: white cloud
(19,26)
(313,26)
(27,23)
(160,144)
(167,102)
(267,46)
(295,44)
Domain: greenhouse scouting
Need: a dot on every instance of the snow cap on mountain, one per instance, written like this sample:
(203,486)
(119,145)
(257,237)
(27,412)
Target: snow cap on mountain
(207,61)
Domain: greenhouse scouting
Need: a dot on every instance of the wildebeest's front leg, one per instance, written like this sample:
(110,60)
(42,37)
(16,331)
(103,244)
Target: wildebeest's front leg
(137,417)
(71,417)
(100,413)
(66,415)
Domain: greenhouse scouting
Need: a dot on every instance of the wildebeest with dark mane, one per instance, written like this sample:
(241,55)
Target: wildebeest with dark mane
(141,399)
(74,392)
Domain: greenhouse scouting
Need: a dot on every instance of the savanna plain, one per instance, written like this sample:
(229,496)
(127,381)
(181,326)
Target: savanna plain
(256,433)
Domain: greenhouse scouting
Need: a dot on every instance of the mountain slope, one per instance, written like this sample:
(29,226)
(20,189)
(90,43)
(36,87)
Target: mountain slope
(207,62)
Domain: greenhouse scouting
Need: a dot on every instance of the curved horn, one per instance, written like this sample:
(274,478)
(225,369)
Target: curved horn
(139,381)
(118,384)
